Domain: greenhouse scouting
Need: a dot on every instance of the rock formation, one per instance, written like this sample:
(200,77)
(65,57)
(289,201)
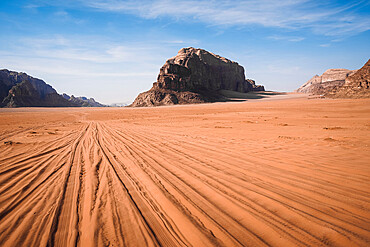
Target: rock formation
(195,76)
(340,83)
(356,85)
(329,81)
(21,90)
(251,84)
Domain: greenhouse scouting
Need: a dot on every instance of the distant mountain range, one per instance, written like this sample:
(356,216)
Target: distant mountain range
(82,101)
(18,89)
(120,104)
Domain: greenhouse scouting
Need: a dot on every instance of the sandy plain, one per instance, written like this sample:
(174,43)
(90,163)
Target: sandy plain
(288,172)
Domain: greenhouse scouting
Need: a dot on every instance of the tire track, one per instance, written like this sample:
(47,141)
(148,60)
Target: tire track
(58,236)
(164,180)
(281,195)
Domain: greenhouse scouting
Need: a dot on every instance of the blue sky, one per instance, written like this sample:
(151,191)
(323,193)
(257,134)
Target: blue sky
(112,50)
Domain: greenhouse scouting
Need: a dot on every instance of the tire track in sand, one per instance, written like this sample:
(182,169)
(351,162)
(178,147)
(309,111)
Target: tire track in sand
(116,183)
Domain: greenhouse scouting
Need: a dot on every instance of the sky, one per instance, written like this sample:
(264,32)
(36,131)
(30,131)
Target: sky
(112,50)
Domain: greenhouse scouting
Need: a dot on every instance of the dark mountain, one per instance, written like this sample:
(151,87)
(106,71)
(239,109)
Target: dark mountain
(18,89)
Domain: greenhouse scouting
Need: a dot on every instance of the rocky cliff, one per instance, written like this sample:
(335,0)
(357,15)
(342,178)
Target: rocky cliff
(356,85)
(340,83)
(21,90)
(24,94)
(329,81)
(195,76)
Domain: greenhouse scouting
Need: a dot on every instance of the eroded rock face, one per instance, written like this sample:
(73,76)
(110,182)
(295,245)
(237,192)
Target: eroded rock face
(9,79)
(340,83)
(25,94)
(251,84)
(200,74)
(357,85)
(160,97)
(330,80)
(196,69)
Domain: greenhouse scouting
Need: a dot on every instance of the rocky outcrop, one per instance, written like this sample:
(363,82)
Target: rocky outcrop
(328,82)
(195,76)
(82,101)
(356,85)
(21,90)
(251,84)
(158,97)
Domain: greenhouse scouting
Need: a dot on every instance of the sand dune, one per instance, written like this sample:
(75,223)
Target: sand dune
(292,172)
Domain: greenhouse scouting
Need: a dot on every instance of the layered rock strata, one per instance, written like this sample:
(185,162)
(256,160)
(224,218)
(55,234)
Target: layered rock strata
(340,83)
(356,85)
(329,81)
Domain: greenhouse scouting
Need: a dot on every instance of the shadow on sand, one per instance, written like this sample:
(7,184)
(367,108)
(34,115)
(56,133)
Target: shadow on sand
(236,96)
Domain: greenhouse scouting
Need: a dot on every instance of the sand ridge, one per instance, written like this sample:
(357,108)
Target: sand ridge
(275,173)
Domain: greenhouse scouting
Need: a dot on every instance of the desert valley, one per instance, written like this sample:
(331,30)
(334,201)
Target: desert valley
(232,165)
(288,172)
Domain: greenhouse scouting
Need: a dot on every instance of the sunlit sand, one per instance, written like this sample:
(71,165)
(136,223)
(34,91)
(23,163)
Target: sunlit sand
(288,172)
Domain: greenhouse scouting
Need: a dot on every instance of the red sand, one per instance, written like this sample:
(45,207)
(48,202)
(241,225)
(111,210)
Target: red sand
(292,172)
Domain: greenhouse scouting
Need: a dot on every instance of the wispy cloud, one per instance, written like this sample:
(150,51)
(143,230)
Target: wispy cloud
(85,48)
(286,38)
(32,6)
(322,18)
(64,16)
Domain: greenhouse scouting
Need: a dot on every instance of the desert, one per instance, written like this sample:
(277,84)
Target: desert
(289,171)
(170,123)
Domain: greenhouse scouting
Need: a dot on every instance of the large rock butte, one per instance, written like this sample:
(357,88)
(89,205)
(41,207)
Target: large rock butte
(195,76)
(18,89)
